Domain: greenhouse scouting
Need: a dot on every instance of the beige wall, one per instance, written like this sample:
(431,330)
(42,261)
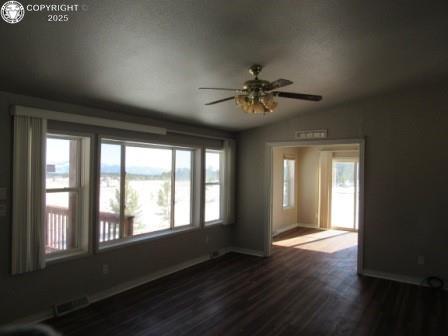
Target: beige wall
(281,217)
(308,186)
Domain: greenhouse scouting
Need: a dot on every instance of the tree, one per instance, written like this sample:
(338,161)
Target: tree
(132,203)
(164,198)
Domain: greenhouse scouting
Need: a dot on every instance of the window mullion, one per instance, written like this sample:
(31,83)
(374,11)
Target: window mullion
(192,185)
(173,187)
(122,189)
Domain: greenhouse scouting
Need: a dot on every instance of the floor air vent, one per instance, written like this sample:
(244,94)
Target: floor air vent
(67,307)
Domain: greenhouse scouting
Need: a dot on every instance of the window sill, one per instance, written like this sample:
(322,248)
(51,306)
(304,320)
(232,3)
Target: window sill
(145,238)
(65,256)
(214,223)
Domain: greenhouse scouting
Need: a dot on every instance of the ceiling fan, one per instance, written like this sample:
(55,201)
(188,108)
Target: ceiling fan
(257,95)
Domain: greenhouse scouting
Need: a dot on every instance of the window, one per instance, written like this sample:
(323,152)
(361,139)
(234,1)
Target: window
(67,191)
(144,189)
(213,186)
(183,188)
(288,183)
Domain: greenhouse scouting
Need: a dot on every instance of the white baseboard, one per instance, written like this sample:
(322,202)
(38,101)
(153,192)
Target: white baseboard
(397,277)
(250,252)
(293,226)
(392,277)
(311,226)
(284,229)
(145,279)
(48,313)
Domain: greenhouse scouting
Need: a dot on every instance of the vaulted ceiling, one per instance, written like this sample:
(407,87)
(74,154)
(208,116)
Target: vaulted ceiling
(151,56)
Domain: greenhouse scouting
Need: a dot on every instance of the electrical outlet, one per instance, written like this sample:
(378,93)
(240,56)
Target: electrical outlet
(105,269)
(420,260)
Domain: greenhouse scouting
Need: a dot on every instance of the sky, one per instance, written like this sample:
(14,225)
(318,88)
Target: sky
(58,153)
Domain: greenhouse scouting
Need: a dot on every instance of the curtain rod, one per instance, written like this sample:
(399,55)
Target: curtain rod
(85,120)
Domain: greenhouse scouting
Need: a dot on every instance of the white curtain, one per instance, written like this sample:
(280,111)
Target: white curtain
(28,204)
(229,181)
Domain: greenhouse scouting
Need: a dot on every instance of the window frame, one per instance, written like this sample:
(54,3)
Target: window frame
(83,192)
(220,220)
(291,204)
(123,142)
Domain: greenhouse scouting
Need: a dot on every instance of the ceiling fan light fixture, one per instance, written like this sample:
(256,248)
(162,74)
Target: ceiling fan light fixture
(269,102)
(257,105)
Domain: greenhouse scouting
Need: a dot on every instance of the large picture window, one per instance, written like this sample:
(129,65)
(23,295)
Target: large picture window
(143,189)
(213,186)
(67,185)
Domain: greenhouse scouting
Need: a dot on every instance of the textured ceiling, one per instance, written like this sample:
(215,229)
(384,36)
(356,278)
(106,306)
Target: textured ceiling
(151,56)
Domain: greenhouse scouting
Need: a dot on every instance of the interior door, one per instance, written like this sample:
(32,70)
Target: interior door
(345,193)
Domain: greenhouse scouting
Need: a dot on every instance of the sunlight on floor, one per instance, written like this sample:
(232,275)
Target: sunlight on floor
(329,241)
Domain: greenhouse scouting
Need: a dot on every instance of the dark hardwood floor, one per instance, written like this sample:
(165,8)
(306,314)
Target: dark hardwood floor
(308,287)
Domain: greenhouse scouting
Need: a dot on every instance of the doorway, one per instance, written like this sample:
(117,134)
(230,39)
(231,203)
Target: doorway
(317,186)
(345,193)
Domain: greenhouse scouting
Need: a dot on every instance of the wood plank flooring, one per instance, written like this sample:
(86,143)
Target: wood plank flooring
(308,287)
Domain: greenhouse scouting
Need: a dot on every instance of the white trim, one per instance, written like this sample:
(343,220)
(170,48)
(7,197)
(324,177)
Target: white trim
(269,188)
(284,229)
(86,120)
(309,226)
(146,279)
(412,280)
(392,277)
(245,251)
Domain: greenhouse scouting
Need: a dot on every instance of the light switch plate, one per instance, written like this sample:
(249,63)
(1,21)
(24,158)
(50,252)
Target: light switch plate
(2,194)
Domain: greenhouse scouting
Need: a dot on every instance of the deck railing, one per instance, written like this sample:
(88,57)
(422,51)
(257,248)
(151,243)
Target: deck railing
(109,226)
(58,228)
(59,235)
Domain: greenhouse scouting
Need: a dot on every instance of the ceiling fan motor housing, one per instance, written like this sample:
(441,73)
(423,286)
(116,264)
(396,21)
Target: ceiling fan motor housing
(255,87)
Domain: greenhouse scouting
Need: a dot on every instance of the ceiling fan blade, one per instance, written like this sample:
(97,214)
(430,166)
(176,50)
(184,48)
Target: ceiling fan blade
(220,101)
(278,84)
(293,95)
(222,89)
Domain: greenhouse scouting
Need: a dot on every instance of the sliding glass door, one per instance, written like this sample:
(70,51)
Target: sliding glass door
(345,193)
